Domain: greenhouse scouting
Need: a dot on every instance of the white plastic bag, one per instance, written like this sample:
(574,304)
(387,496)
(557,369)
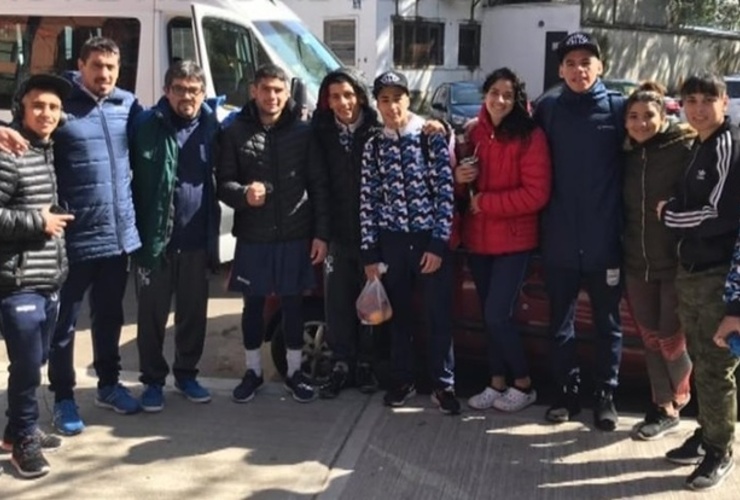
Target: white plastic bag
(373,306)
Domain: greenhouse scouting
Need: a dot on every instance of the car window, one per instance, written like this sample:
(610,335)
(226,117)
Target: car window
(465,94)
(437,97)
(733,89)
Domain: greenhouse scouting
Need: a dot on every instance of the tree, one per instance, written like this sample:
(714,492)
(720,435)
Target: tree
(718,14)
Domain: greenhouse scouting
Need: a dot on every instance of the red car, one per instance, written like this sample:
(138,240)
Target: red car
(532,315)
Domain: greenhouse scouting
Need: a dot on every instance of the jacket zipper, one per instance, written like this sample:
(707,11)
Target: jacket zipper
(685,197)
(54,199)
(113,179)
(644,212)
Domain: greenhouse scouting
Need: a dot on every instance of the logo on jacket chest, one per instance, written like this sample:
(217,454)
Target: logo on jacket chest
(701,174)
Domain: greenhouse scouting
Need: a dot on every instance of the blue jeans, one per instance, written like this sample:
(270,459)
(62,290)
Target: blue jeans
(26,320)
(402,252)
(106,278)
(563,286)
(498,279)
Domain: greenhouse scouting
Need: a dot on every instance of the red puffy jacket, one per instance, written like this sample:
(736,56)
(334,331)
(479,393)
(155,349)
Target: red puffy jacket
(514,183)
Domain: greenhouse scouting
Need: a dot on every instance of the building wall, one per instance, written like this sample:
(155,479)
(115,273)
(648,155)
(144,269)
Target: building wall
(514,36)
(374,49)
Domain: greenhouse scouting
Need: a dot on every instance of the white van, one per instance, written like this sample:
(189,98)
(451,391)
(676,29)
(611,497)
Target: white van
(229,38)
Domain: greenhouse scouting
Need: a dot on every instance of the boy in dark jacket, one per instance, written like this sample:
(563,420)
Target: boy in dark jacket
(584,124)
(33,265)
(704,213)
(406,209)
(177,216)
(268,173)
(343,122)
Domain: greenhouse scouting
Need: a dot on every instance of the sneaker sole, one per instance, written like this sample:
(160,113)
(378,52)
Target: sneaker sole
(67,432)
(443,410)
(513,409)
(715,485)
(641,437)
(296,398)
(686,461)
(245,400)
(108,406)
(205,399)
(152,409)
(29,474)
(398,404)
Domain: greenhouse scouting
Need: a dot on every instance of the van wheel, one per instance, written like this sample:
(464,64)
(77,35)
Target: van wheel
(316,358)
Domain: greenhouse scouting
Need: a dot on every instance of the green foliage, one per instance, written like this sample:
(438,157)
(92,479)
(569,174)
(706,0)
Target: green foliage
(717,14)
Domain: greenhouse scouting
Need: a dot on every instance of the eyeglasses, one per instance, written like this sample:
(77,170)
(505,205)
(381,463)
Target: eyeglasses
(181,91)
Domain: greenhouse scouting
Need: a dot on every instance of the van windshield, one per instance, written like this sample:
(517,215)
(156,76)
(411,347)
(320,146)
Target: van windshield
(302,53)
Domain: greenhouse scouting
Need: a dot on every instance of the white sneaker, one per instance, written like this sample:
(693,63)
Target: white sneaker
(514,400)
(485,399)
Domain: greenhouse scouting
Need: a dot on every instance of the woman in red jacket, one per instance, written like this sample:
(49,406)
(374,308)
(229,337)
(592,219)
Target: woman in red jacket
(511,184)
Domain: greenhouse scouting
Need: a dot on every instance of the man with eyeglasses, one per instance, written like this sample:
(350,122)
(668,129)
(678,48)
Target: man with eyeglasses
(177,215)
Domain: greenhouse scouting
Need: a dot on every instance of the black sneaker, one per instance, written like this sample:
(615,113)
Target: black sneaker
(335,383)
(605,414)
(567,406)
(28,459)
(656,424)
(691,452)
(712,470)
(300,387)
(446,401)
(398,396)
(365,378)
(49,442)
(247,388)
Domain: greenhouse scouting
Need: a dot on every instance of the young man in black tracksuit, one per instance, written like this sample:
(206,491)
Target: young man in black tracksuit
(704,213)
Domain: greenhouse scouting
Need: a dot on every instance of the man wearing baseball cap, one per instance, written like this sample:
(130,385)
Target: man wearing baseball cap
(32,227)
(406,210)
(584,123)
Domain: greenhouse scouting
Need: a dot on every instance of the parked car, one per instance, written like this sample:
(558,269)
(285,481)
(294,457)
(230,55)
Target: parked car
(733,93)
(457,102)
(532,315)
(621,85)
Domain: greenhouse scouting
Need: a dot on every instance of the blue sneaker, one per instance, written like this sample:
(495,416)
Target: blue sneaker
(66,419)
(192,390)
(152,399)
(117,398)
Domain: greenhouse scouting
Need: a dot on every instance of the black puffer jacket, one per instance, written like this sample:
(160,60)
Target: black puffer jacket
(29,259)
(284,157)
(344,166)
(651,171)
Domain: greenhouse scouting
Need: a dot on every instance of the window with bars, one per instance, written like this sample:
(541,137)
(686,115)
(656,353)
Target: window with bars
(339,36)
(418,43)
(468,52)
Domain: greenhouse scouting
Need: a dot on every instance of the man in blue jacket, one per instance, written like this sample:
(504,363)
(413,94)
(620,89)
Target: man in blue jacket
(94,184)
(178,216)
(584,124)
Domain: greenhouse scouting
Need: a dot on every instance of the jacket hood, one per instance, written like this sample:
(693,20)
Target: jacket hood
(163,109)
(671,133)
(324,113)
(597,92)
(414,126)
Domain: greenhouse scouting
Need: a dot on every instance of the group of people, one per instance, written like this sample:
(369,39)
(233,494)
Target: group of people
(608,189)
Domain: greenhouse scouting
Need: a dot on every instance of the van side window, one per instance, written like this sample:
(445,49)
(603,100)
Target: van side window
(35,44)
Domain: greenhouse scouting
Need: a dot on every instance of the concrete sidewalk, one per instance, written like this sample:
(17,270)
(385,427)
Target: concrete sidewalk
(349,448)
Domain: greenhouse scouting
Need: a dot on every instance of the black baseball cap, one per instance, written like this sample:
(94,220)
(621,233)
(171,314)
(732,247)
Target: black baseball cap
(45,81)
(390,79)
(578,40)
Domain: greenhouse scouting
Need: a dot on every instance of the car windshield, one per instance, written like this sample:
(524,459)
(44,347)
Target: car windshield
(465,94)
(622,86)
(733,89)
(302,53)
